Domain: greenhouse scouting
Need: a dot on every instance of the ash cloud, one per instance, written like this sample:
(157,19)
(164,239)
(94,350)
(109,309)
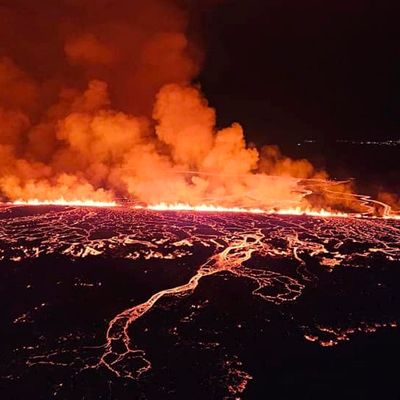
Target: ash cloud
(97,101)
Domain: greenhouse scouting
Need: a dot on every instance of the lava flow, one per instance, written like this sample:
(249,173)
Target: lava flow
(356,205)
(278,256)
(186,207)
(63,202)
(235,253)
(204,208)
(215,208)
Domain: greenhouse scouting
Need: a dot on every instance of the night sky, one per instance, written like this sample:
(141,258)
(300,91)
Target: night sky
(289,70)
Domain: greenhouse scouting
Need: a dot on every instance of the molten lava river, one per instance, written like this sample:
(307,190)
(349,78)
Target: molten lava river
(122,302)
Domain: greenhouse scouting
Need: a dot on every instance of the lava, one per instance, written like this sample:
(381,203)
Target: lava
(321,212)
(241,245)
(107,109)
(63,202)
(212,208)
(361,205)
(217,208)
(192,208)
(201,208)
(120,349)
(332,336)
(186,207)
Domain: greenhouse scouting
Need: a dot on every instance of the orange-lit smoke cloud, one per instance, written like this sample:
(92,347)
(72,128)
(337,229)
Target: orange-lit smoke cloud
(97,101)
(391,199)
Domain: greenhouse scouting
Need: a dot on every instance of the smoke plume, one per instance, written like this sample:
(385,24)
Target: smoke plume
(97,101)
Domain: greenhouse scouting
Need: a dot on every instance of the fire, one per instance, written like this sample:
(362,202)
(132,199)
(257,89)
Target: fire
(202,207)
(216,208)
(197,208)
(392,216)
(63,202)
(315,213)
(162,206)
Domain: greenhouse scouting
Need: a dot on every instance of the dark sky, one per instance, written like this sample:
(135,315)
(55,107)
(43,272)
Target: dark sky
(289,69)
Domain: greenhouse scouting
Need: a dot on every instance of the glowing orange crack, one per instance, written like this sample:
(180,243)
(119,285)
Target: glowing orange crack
(200,208)
(62,202)
(216,208)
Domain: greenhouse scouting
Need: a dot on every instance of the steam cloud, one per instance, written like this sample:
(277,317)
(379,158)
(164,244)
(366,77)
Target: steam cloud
(97,101)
